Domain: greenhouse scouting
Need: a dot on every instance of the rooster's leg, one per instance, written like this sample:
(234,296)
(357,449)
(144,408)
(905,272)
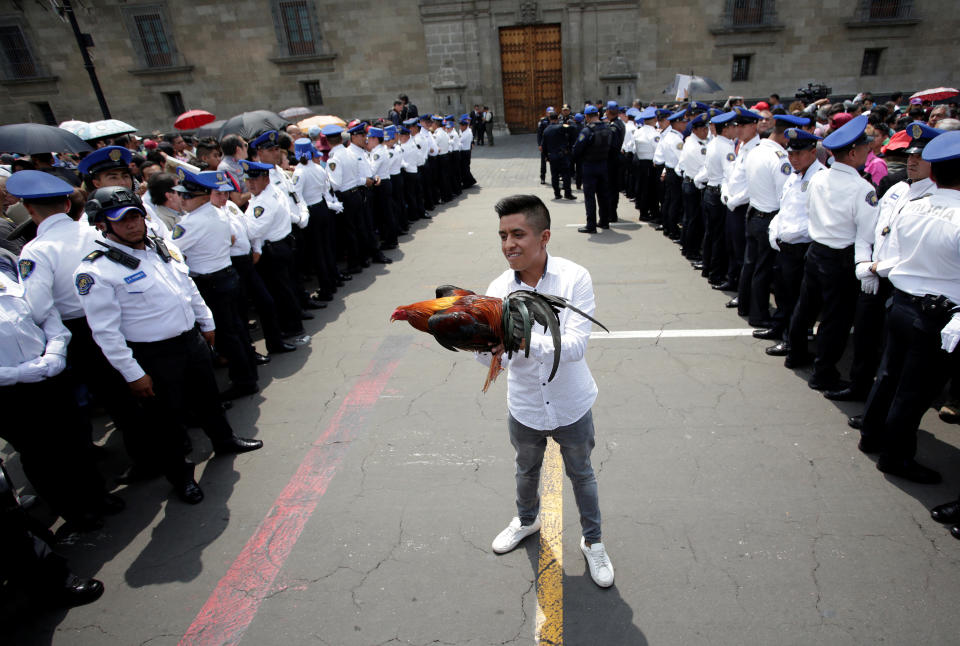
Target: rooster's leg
(495,369)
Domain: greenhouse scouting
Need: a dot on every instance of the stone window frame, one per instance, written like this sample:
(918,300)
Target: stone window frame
(130,13)
(872,59)
(765,10)
(284,48)
(735,76)
(5,66)
(309,87)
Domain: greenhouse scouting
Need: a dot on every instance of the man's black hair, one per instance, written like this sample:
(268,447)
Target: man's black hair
(230,144)
(171,137)
(284,140)
(158,185)
(946,173)
(534,210)
(404,98)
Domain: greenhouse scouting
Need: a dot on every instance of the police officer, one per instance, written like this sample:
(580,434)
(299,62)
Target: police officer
(431,179)
(923,323)
(204,236)
(394,167)
(313,187)
(152,324)
(843,213)
(689,165)
(614,166)
(412,165)
(556,145)
(381,195)
(345,179)
(645,139)
(541,126)
(367,235)
(668,153)
(592,149)
(720,155)
(576,126)
(466,146)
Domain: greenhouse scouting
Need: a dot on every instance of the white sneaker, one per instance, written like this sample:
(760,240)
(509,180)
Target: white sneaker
(513,534)
(601,569)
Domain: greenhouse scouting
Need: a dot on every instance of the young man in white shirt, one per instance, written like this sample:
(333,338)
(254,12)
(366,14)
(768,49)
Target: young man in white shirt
(539,408)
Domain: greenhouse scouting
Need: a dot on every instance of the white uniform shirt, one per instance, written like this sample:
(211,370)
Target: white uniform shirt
(238,228)
(692,158)
(154,302)
(343,170)
(442,140)
(629,128)
(733,192)
(454,139)
(394,159)
(428,143)
(203,235)
(843,210)
(645,140)
(408,155)
(47,263)
(791,223)
(767,170)
(890,207)
(378,161)
(24,335)
(668,150)
(310,181)
(532,400)
(268,217)
(720,156)
(466,139)
(926,241)
(298,208)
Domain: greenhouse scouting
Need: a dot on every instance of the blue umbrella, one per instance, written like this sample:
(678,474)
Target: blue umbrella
(31,138)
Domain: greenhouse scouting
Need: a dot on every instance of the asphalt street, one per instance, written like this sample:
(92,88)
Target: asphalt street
(736,506)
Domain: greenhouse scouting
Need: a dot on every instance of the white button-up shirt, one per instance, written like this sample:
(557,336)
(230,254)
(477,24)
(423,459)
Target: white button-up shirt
(238,228)
(891,205)
(791,223)
(767,170)
(154,302)
(310,181)
(24,335)
(668,150)
(466,139)
(443,141)
(733,191)
(284,185)
(203,235)
(268,217)
(47,263)
(409,155)
(532,400)
(843,210)
(645,140)
(720,155)
(379,161)
(692,158)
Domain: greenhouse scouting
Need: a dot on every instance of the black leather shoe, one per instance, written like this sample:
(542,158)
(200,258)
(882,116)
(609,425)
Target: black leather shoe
(380,259)
(236,392)
(570,197)
(388,247)
(855,421)
(725,286)
(909,470)
(948,512)
(282,348)
(733,302)
(769,334)
(697,266)
(237,445)
(312,304)
(587,230)
(111,504)
(345,277)
(798,360)
(767,324)
(848,394)
(830,383)
(77,591)
(603,226)
(869,445)
(261,359)
(955,531)
(306,316)
(189,492)
(782,349)
(556,196)
(365,263)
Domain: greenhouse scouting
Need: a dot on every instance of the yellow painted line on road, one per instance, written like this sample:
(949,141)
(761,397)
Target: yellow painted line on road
(549,628)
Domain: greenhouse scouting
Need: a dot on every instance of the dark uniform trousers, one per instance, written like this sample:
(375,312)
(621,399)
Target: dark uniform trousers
(543,166)
(453,167)
(277,269)
(433,180)
(381,204)
(829,288)
(869,333)
(181,369)
(596,193)
(252,288)
(425,192)
(913,371)
(628,182)
(367,232)
(735,232)
(400,209)
(756,275)
(647,186)
(672,208)
(691,237)
(221,292)
(26,560)
(348,225)
(787,279)
(322,235)
(614,184)
(412,195)
(468,178)
(560,173)
(42,423)
(714,239)
(443,177)
(661,187)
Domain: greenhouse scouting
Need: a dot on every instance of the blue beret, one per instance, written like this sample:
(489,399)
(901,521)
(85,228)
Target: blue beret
(679,114)
(404,130)
(35,184)
(920,134)
(359,128)
(266,140)
(254,169)
(412,121)
(104,159)
(647,113)
(578,116)
(698,106)
(849,133)
(724,117)
(941,148)
(663,112)
(426,117)
(699,121)
(304,148)
(798,139)
(590,109)
(612,105)
(220,179)
(194,182)
(745,115)
(789,118)
(375,132)
(331,130)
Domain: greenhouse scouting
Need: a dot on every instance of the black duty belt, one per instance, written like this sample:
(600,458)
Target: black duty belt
(928,303)
(226,271)
(713,188)
(754,212)
(172,342)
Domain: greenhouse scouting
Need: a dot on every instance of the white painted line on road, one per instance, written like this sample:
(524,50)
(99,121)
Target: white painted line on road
(670,334)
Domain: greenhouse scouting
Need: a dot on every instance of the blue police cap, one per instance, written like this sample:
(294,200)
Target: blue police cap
(699,121)
(358,128)
(449,117)
(799,122)
(647,113)
(426,117)
(698,106)
(663,112)
(920,135)
(590,109)
(848,134)
(578,116)
(331,130)
(404,130)
(632,112)
(714,112)
(744,115)
(221,180)
(265,140)
(550,109)
(438,118)
(724,117)
(412,121)
(304,148)
(798,139)
(389,133)
(465,121)
(622,109)
(375,132)
(35,185)
(105,159)
(678,115)
(612,105)
(254,169)
(194,182)
(941,148)
(466,116)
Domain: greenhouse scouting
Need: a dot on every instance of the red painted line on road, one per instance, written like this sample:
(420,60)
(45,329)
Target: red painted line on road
(228,612)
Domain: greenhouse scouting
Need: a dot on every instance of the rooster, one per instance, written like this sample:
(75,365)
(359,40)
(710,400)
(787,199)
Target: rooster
(463,320)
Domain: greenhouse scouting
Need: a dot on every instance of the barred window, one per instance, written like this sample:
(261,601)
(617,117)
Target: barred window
(17,59)
(312,91)
(295,18)
(871,61)
(153,39)
(741,67)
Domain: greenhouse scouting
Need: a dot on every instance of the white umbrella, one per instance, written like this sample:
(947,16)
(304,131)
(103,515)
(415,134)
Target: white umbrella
(104,128)
(73,125)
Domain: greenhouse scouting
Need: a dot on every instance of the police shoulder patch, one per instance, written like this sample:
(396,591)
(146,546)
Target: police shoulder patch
(178,232)
(872,198)
(582,136)
(333,164)
(84,283)
(257,211)
(390,154)
(680,146)
(703,151)
(803,186)
(656,139)
(786,168)
(781,154)
(93,255)
(731,156)
(175,254)
(886,231)
(376,156)
(296,178)
(26,268)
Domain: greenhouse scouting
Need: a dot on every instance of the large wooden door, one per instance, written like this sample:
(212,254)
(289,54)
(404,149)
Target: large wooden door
(532,64)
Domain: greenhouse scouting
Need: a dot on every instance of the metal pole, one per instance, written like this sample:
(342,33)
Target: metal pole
(87,63)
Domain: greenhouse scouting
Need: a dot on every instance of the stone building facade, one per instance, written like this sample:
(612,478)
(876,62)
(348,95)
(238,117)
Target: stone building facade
(155,57)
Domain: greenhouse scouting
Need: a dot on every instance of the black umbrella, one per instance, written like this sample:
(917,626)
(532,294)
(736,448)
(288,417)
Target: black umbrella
(296,114)
(30,138)
(211,129)
(249,124)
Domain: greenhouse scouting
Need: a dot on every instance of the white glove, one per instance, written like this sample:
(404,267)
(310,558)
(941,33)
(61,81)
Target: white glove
(869,282)
(337,207)
(54,364)
(950,334)
(30,372)
(773,239)
(8,376)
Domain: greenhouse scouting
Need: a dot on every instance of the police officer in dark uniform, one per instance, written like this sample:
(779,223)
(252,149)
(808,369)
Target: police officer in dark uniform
(618,130)
(576,124)
(541,126)
(556,146)
(592,149)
